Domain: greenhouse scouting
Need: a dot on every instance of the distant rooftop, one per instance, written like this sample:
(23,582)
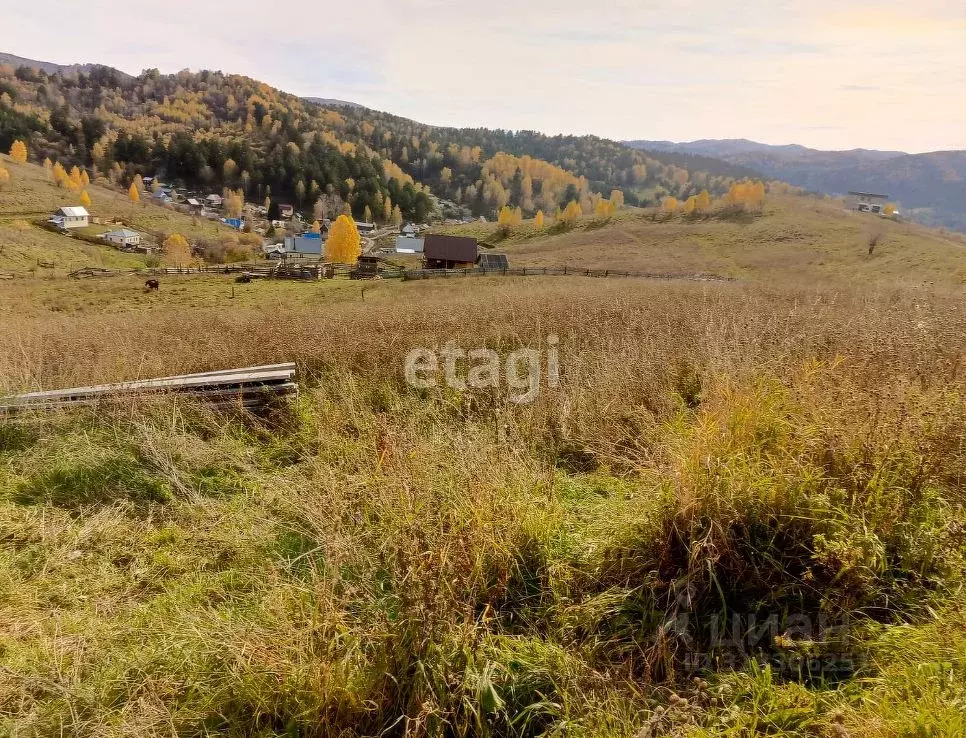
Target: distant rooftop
(870,194)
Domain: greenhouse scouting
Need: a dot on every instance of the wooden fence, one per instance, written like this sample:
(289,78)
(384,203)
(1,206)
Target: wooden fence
(312,270)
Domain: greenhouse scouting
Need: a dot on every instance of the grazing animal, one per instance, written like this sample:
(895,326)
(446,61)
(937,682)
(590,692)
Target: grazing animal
(152,284)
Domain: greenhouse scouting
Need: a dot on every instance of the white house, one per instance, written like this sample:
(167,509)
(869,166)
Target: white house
(123,238)
(70,217)
(214,201)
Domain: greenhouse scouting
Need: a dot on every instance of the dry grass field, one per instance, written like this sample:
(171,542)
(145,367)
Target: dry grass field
(645,550)
(793,238)
(740,513)
(31,196)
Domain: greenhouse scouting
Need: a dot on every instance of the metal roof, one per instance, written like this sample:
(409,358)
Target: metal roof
(123,233)
(870,194)
(74,212)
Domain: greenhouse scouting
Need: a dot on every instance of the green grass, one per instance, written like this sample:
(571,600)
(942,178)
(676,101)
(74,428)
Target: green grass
(377,560)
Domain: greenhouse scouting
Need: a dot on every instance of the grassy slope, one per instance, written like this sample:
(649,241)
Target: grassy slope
(31,195)
(795,237)
(378,556)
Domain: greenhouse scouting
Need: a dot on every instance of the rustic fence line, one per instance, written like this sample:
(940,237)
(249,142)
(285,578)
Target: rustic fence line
(318,270)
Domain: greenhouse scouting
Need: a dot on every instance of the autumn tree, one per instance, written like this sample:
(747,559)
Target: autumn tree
(344,244)
(617,198)
(890,210)
(59,175)
(177,251)
(397,217)
(703,201)
(538,219)
(670,204)
(690,205)
(604,208)
(316,227)
(85,199)
(367,214)
(571,214)
(18,152)
(133,195)
(4,177)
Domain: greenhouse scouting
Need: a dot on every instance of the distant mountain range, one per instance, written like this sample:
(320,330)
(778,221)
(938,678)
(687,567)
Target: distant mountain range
(929,187)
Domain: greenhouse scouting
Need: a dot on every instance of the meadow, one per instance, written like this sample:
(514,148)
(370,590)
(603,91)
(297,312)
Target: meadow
(740,513)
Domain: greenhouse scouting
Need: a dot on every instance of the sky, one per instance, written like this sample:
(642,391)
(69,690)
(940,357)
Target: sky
(829,74)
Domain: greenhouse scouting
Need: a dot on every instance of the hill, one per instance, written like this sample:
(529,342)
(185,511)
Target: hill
(929,187)
(31,195)
(48,67)
(220,130)
(795,239)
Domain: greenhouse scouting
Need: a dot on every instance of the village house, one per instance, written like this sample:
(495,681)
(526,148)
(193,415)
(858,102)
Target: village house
(449,252)
(70,217)
(214,201)
(306,245)
(866,202)
(286,211)
(364,227)
(123,238)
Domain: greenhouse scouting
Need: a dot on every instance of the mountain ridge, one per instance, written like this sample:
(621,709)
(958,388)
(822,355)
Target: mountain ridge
(929,186)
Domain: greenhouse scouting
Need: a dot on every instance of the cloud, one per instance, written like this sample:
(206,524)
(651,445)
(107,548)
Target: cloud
(885,75)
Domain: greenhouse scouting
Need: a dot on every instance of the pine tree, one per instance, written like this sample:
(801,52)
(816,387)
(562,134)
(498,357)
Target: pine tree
(344,244)
(18,152)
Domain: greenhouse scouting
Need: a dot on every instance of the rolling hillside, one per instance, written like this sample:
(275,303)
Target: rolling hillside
(795,239)
(220,130)
(928,187)
(31,196)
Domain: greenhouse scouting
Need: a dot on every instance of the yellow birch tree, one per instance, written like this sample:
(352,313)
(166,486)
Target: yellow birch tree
(344,244)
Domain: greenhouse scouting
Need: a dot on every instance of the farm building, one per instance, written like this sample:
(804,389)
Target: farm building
(866,202)
(364,227)
(70,217)
(123,238)
(409,245)
(214,201)
(286,211)
(449,252)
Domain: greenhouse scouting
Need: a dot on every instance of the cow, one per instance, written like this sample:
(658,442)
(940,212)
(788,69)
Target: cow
(152,284)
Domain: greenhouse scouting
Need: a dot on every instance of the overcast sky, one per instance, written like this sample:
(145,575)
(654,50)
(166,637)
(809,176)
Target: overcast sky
(824,73)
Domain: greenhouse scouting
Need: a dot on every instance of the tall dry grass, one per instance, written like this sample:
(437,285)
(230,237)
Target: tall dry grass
(380,560)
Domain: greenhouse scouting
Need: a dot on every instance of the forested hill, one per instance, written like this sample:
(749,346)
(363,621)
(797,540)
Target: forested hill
(217,130)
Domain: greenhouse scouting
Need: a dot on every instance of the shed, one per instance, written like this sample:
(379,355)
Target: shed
(449,252)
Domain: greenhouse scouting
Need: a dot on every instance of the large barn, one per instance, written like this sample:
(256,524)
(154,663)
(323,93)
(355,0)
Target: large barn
(449,252)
